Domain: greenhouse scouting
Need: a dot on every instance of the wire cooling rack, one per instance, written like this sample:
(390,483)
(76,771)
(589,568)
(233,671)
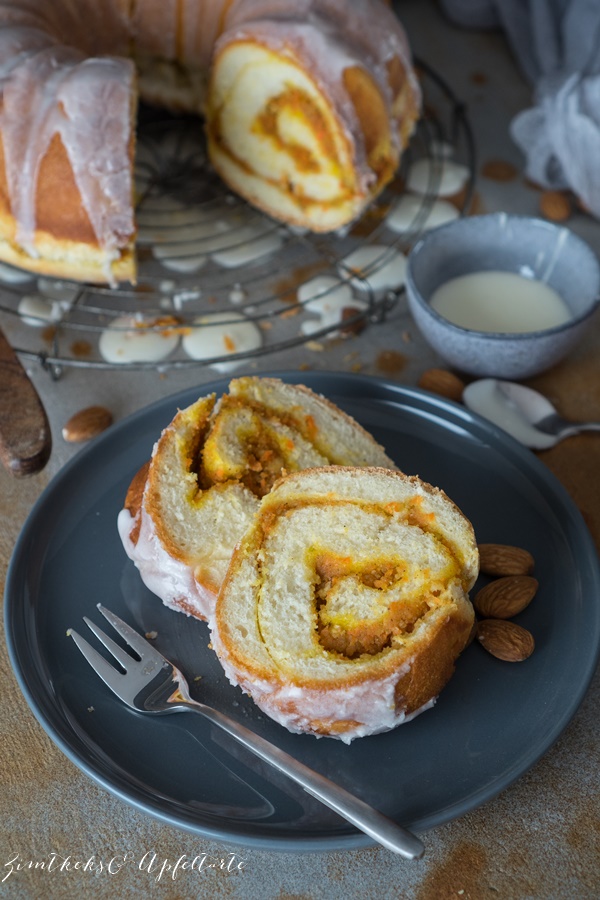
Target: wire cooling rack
(219,282)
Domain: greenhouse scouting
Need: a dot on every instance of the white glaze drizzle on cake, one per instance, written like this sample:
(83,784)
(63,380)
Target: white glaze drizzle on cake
(87,104)
(330,35)
(370,704)
(172,580)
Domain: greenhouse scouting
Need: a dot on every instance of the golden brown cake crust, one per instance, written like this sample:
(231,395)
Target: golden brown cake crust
(134,498)
(308,683)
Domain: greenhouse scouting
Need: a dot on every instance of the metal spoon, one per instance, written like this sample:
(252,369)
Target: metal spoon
(524,413)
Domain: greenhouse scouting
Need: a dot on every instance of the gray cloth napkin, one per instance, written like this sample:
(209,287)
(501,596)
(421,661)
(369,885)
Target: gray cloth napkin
(557,45)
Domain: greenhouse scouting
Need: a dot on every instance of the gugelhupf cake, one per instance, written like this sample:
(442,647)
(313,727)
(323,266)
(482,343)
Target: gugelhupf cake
(308,105)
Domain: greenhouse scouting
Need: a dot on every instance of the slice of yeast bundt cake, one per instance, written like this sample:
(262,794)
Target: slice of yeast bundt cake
(187,509)
(346,605)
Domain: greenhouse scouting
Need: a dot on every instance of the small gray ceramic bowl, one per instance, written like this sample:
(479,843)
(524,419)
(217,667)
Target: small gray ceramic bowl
(526,246)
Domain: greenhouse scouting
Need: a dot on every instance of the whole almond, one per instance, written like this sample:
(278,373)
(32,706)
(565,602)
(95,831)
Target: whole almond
(87,423)
(505,640)
(499,170)
(505,597)
(555,205)
(503,559)
(443,382)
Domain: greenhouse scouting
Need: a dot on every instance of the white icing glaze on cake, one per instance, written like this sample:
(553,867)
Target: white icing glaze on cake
(167,577)
(330,35)
(86,102)
(370,703)
(297,139)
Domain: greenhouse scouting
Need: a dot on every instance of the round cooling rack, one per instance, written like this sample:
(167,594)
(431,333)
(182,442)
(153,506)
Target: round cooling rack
(219,282)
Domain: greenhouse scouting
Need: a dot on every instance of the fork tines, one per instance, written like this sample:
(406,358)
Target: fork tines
(135,640)
(141,667)
(104,669)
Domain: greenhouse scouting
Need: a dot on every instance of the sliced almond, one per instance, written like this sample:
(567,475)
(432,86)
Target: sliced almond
(503,559)
(87,423)
(505,640)
(506,597)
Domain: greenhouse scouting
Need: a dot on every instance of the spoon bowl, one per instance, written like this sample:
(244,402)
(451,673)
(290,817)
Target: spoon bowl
(521,411)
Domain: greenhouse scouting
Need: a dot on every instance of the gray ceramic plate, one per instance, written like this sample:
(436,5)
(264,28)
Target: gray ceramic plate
(491,723)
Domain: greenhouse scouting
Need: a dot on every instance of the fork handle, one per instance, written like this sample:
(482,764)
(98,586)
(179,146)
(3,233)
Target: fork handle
(372,822)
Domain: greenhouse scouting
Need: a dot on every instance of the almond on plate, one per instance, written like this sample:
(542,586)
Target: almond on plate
(505,597)
(505,640)
(503,559)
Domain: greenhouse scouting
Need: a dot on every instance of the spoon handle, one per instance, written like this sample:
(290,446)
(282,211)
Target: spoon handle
(563,428)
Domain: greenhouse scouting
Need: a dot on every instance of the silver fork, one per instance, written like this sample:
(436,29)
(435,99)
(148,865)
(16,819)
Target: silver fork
(152,684)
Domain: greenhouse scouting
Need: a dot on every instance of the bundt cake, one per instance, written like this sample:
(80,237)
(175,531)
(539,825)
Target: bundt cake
(186,510)
(346,605)
(308,105)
